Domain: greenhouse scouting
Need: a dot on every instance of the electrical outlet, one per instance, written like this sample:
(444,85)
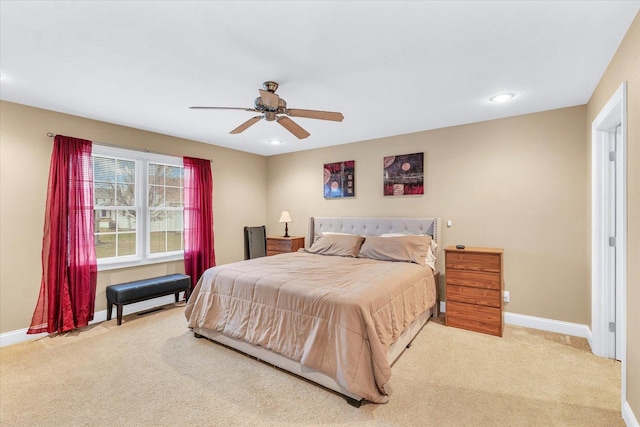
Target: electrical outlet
(506,296)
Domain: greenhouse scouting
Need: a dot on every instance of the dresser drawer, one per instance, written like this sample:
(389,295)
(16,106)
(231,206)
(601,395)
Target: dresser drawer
(474,261)
(476,279)
(484,297)
(474,317)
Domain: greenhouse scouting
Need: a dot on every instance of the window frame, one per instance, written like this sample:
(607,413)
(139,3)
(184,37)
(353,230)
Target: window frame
(143,221)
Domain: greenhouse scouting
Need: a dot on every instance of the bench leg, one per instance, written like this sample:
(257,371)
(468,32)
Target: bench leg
(109,308)
(187,294)
(119,310)
(177,296)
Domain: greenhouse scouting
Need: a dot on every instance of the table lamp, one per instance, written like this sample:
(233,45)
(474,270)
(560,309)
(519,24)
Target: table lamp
(286,218)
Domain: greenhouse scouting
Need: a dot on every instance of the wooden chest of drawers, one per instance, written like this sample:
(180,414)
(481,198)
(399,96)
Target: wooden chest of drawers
(474,285)
(282,245)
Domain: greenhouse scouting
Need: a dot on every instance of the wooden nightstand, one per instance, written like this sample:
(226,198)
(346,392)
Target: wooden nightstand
(474,285)
(283,245)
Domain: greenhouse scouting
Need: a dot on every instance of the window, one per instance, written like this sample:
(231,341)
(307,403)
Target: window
(138,207)
(165,208)
(115,208)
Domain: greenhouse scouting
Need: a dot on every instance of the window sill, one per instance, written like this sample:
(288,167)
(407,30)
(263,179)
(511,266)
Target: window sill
(139,262)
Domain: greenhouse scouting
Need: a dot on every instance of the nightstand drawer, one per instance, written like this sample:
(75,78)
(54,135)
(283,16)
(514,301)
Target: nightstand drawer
(484,297)
(283,245)
(278,245)
(474,261)
(476,279)
(474,317)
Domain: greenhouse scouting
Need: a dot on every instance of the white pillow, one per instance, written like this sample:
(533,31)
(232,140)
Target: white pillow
(431,259)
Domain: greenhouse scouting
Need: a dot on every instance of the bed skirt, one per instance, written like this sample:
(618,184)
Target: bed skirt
(311,374)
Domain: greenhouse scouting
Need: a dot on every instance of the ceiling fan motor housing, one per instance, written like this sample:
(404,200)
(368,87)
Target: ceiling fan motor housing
(261,106)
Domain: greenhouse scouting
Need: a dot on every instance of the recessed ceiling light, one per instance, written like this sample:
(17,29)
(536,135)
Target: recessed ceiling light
(274,141)
(502,97)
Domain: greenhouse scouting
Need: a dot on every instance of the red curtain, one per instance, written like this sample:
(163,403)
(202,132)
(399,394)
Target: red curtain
(69,270)
(199,253)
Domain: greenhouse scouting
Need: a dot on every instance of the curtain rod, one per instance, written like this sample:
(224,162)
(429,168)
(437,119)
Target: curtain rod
(51,135)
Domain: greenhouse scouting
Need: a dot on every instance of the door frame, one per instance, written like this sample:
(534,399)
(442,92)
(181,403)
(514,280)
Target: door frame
(612,114)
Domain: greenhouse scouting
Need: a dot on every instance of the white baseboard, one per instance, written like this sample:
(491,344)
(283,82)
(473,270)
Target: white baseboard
(15,337)
(627,415)
(550,325)
(558,326)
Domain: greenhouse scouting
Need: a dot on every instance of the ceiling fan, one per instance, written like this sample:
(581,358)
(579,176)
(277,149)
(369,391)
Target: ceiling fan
(275,108)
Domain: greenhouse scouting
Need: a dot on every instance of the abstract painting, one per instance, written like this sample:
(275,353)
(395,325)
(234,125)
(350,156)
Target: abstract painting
(339,179)
(404,174)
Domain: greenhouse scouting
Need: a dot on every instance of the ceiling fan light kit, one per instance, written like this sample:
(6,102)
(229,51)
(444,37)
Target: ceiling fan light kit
(274,108)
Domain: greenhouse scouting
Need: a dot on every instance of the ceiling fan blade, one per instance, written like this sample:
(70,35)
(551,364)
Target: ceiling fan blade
(314,114)
(269,99)
(246,124)
(223,108)
(292,127)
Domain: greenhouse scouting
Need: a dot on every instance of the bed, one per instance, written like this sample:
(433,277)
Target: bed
(338,312)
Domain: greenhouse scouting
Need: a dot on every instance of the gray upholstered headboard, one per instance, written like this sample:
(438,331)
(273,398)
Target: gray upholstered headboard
(375,226)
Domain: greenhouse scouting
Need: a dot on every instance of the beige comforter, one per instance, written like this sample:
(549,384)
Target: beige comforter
(334,314)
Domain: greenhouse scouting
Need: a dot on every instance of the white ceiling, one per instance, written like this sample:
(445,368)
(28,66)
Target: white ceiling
(391,67)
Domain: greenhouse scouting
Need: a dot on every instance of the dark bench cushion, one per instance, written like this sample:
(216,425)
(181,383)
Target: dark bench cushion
(140,290)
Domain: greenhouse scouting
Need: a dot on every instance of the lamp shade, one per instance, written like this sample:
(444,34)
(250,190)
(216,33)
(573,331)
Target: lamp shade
(285,217)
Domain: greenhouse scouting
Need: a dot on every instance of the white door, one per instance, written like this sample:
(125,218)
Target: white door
(608,260)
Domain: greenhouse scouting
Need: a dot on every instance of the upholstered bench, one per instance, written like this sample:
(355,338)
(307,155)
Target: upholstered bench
(141,290)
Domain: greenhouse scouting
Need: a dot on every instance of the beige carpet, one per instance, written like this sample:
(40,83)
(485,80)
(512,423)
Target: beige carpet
(151,371)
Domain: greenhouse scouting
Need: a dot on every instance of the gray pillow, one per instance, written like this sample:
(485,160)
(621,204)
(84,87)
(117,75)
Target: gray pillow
(337,244)
(405,248)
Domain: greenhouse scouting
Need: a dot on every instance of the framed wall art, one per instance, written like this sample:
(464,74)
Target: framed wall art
(404,175)
(339,179)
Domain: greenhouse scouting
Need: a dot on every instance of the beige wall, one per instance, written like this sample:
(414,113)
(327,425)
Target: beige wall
(516,183)
(625,66)
(25,152)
